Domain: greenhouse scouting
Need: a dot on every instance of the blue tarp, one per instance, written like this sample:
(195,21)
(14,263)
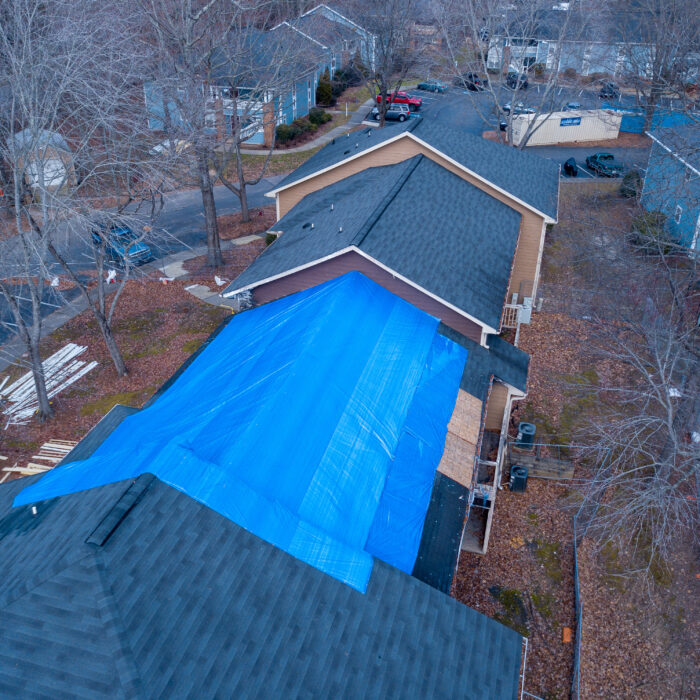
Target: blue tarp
(316,422)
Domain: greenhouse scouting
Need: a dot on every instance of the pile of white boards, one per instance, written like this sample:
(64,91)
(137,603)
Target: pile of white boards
(18,401)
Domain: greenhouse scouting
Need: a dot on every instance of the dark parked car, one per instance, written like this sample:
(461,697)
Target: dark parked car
(471,81)
(432,86)
(399,112)
(122,244)
(519,108)
(514,80)
(570,167)
(604,164)
(609,91)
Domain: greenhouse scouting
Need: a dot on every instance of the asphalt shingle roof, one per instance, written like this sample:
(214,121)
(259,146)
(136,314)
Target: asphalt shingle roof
(460,246)
(526,176)
(179,601)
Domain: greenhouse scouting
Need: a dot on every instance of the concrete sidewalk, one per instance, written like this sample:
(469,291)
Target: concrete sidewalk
(355,120)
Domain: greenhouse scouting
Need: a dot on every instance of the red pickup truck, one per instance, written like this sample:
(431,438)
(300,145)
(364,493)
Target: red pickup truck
(414,103)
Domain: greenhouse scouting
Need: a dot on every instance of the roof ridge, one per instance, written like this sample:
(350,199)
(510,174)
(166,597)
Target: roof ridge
(386,201)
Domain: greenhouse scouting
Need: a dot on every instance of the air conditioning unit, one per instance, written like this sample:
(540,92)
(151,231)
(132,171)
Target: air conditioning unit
(518,478)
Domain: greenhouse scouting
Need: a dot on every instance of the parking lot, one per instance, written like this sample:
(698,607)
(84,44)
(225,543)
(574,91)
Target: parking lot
(475,112)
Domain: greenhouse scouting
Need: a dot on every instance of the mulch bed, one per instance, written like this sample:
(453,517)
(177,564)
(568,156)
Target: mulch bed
(236,260)
(231,226)
(624,140)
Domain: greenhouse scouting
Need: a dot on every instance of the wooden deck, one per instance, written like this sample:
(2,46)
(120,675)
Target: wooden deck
(538,466)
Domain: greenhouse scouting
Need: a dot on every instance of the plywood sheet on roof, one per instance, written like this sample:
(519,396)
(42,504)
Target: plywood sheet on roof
(462,435)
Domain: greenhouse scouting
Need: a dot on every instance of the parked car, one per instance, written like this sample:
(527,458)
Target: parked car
(403,98)
(432,86)
(604,164)
(571,106)
(609,91)
(570,167)
(122,244)
(471,81)
(397,111)
(514,80)
(519,108)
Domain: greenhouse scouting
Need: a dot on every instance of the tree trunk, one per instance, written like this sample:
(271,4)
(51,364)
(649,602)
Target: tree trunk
(44,411)
(112,347)
(243,193)
(214,258)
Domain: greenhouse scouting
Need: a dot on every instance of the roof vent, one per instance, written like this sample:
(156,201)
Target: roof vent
(331,206)
(340,229)
(33,510)
(346,152)
(308,225)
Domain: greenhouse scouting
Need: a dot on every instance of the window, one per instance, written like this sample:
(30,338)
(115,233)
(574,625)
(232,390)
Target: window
(294,102)
(678,214)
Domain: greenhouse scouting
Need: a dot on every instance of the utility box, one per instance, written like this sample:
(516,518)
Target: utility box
(526,436)
(518,478)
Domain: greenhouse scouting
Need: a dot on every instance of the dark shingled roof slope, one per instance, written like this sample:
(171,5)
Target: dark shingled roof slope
(526,176)
(179,601)
(459,246)
(500,359)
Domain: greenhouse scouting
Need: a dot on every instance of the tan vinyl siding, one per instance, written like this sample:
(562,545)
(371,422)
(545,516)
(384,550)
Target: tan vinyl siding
(347,262)
(496,406)
(531,230)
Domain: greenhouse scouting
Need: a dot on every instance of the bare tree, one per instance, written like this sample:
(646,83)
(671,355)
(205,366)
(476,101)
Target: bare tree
(485,37)
(393,57)
(659,42)
(72,146)
(642,430)
(251,76)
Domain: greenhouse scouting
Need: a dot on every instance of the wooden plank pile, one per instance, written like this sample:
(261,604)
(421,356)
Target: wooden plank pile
(19,401)
(51,453)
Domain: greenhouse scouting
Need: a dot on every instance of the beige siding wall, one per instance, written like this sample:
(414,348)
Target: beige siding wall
(496,406)
(525,261)
(330,269)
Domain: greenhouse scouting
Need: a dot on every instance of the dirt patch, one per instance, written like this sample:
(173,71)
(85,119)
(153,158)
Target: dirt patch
(231,226)
(236,260)
(156,327)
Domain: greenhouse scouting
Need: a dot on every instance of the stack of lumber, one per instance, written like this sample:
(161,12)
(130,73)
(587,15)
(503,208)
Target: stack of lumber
(51,453)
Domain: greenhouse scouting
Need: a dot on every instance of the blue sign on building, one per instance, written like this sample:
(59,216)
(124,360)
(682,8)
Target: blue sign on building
(569,121)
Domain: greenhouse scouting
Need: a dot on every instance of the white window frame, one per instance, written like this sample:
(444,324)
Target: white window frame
(678,214)
(294,101)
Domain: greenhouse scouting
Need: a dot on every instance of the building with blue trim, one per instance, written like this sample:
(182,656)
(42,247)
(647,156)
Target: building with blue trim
(672,181)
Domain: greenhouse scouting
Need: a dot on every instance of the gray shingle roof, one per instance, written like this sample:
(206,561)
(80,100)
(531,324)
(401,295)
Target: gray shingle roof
(415,217)
(179,601)
(526,176)
(500,359)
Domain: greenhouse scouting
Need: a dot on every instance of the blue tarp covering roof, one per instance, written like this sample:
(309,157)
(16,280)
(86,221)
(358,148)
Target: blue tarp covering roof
(316,422)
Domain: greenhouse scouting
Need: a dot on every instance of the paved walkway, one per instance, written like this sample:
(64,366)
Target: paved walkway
(355,120)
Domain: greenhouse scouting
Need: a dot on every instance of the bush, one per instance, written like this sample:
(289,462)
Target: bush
(631,184)
(324,90)
(649,233)
(318,116)
(350,74)
(286,132)
(570,73)
(270,238)
(537,68)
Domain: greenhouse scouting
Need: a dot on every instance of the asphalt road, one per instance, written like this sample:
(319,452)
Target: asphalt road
(474,113)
